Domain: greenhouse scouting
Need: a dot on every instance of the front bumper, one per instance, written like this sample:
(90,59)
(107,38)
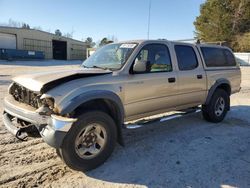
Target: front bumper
(52,128)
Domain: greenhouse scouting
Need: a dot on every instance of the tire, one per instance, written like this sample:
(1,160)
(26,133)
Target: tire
(213,111)
(72,151)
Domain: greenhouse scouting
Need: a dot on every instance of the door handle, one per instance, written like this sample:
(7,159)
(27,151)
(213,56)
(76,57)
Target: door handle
(171,80)
(199,76)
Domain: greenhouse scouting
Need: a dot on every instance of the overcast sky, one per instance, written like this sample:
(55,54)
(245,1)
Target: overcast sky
(125,19)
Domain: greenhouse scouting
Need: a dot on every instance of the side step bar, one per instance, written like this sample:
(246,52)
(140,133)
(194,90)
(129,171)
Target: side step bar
(142,122)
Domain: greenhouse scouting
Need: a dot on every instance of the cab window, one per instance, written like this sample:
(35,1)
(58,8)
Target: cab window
(156,56)
(217,57)
(186,57)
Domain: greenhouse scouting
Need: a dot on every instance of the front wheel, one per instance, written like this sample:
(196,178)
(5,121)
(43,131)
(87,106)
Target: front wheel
(216,110)
(90,141)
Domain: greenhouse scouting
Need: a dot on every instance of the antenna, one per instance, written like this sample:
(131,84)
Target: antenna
(149,15)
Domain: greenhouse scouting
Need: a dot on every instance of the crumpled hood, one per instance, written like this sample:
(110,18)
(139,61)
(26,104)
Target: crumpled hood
(42,82)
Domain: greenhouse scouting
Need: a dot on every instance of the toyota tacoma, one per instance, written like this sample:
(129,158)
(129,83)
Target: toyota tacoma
(82,112)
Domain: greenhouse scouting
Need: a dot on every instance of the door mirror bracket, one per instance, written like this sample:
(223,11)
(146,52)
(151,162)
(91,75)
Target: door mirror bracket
(140,66)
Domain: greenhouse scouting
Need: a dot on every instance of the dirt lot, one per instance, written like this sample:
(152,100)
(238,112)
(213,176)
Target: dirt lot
(184,152)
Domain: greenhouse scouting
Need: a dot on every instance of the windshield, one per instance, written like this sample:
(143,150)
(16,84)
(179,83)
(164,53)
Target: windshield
(111,56)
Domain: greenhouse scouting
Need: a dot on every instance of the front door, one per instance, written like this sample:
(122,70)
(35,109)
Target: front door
(154,89)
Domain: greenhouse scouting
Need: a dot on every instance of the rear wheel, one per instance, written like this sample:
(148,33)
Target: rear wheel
(216,110)
(89,142)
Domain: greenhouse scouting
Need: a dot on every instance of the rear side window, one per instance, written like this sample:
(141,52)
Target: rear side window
(217,57)
(230,58)
(186,57)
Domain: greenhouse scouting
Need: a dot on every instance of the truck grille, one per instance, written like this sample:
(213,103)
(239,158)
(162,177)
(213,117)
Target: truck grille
(24,95)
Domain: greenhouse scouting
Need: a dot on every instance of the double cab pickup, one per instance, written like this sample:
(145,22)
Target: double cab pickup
(82,111)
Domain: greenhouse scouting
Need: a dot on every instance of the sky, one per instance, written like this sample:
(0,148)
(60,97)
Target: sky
(123,19)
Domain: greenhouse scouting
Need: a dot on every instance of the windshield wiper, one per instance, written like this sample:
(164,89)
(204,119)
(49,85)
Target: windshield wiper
(97,67)
(84,66)
(104,68)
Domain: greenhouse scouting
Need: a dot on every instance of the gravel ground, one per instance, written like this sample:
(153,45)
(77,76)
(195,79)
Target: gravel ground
(184,152)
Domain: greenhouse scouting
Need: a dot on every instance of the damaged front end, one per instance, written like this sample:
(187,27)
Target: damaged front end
(28,113)
(43,105)
(28,108)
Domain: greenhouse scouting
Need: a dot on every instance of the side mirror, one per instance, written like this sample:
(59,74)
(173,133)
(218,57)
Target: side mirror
(140,66)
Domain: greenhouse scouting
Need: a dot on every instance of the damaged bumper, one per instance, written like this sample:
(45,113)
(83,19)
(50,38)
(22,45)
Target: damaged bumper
(51,128)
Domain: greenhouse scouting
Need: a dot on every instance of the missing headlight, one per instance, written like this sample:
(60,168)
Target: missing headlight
(49,102)
(47,107)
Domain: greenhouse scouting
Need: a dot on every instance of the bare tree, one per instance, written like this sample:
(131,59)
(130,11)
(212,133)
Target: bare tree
(237,15)
(37,28)
(113,38)
(13,23)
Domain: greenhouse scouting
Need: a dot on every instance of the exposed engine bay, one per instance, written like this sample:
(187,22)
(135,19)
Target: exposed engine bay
(23,95)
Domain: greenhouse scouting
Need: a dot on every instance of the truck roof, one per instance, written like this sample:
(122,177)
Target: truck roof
(174,42)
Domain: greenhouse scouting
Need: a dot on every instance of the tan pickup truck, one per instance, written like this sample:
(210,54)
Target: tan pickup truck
(81,112)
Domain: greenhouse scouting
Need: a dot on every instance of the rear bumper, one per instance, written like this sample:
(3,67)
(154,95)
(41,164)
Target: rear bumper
(51,128)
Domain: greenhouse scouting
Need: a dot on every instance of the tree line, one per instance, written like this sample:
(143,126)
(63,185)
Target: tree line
(225,21)
(89,41)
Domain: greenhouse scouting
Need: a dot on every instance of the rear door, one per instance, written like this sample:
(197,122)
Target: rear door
(191,75)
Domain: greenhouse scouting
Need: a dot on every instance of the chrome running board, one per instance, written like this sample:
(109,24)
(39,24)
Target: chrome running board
(162,118)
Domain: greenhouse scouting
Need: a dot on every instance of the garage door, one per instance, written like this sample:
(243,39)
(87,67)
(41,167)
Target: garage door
(7,41)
